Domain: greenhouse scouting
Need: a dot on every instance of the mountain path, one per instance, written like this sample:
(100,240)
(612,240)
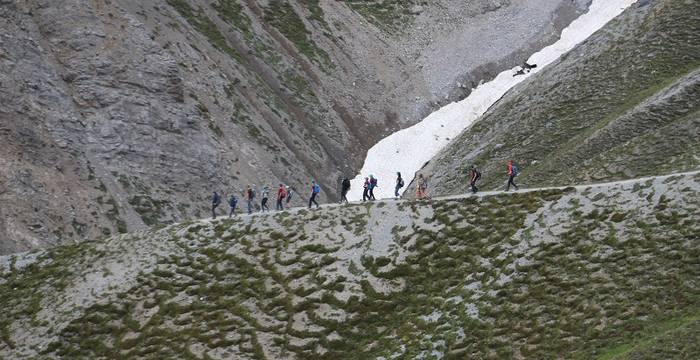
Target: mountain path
(466,195)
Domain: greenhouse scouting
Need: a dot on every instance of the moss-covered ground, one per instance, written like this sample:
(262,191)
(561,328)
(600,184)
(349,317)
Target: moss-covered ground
(604,272)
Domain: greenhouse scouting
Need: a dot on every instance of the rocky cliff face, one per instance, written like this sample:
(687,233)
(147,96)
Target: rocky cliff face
(623,104)
(115,115)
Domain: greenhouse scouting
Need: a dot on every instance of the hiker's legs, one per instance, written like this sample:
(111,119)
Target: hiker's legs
(213,211)
(371,194)
(250,207)
(364,195)
(233,211)
(473,186)
(280,206)
(511,182)
(396,191)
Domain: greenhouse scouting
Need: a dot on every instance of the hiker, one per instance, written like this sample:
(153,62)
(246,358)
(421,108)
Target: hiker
(290,192)
(232,202)
(372,185)
(249,197)
(265,196)
(474,176)
(399,185)
(315,190)
(365,191)
(512,173)
(281,194)
(422,188)
(215,202)
(344,188)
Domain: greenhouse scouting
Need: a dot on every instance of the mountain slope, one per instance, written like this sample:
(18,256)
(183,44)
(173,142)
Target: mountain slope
(573,272)
(117,115)
(623,104)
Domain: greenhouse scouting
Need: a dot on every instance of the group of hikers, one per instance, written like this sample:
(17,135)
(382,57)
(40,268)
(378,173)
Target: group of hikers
(286,192)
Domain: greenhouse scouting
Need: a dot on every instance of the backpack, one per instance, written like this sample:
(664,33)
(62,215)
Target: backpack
(516,171)
(233,201)
(283,194)
(478,175)
(316,189)
(373,182)
(401,183)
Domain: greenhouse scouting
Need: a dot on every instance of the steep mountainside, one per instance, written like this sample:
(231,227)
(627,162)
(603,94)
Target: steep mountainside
(623,104)
(115,115)
(575,273)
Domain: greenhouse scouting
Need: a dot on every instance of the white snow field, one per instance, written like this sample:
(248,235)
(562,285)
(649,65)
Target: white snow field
(409,149)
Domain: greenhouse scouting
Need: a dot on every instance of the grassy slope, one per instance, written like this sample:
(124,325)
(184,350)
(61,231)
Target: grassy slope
(623,104)
(583,273)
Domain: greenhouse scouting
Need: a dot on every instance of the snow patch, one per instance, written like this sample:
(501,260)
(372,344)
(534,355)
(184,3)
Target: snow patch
(409,149)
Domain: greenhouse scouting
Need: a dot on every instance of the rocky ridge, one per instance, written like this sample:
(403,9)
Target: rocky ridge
(585,272)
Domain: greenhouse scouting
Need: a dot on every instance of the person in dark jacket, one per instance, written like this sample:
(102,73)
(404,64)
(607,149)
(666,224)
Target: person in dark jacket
(290,192)
(474,176)
(399,185)
(365,190)
(344,188)
(265,198)
(232,202)
(215,202)
(249,197)
(372,186)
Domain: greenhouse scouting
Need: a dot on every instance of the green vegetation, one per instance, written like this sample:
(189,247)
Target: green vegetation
(604,121)
(316,13)
(282,16)
(113,215)
(242,118)
(151,210)
(205,26)
(22,289)
(388,15)
(232,12)
(556,273)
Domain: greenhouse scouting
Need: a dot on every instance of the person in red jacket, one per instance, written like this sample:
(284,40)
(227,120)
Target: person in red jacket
(512,173)
(281,194)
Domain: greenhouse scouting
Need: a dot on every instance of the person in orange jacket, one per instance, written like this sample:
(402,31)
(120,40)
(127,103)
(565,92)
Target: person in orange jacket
(512,173)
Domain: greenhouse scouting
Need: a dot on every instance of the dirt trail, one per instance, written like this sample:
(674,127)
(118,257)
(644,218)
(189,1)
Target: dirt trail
(480,194)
